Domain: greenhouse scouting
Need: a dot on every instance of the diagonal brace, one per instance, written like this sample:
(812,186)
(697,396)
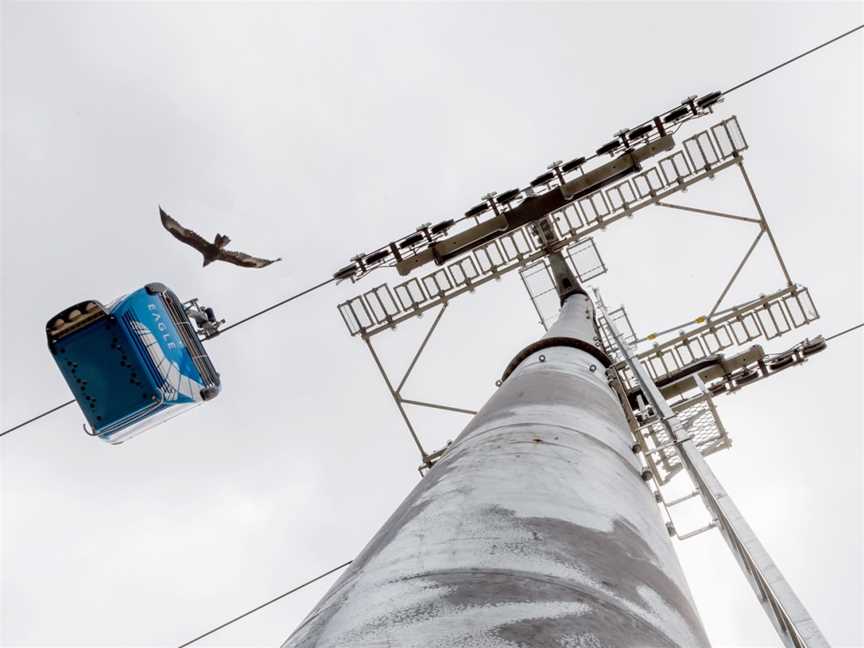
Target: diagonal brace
(736,273)
(447,408)
(422,346)
(396,399)
(709,212)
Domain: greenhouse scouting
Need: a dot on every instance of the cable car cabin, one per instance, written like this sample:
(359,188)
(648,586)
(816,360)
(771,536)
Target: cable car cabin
(131,364)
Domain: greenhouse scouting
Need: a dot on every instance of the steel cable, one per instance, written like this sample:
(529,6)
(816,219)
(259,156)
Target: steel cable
(37,417)
(263,605)
(276,305)
(792,60)
(849,330)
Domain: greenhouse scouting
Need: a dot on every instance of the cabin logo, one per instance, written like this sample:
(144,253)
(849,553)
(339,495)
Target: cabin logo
(161,327)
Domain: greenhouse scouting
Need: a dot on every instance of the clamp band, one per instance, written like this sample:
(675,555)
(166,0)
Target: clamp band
(545,343)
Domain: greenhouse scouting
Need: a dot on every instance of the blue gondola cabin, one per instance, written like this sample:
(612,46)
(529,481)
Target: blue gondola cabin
(133,363)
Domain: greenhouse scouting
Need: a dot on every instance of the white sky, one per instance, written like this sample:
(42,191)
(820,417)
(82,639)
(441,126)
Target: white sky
(313,132)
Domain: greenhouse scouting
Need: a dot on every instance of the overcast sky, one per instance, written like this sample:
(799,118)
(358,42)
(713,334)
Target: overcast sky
(313,132)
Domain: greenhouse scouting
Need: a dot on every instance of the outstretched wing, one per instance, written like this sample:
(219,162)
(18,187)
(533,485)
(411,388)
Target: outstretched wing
(182,234)
(245,260)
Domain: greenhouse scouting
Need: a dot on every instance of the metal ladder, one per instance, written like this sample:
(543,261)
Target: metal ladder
(787,613)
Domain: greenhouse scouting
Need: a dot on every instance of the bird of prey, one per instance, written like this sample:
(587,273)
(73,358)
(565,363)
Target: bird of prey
(214,251)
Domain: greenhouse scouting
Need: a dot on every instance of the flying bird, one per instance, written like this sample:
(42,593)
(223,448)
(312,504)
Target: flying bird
(214,251)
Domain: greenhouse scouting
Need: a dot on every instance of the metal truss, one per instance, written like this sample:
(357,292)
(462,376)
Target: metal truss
(691,393)
(764,229)
(511,209)
(429,459)
(794,625)
(704,155)
(766,317)
(684,362)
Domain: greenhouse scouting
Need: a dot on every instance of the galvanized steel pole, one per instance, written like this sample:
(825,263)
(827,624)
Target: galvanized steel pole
(535,529)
